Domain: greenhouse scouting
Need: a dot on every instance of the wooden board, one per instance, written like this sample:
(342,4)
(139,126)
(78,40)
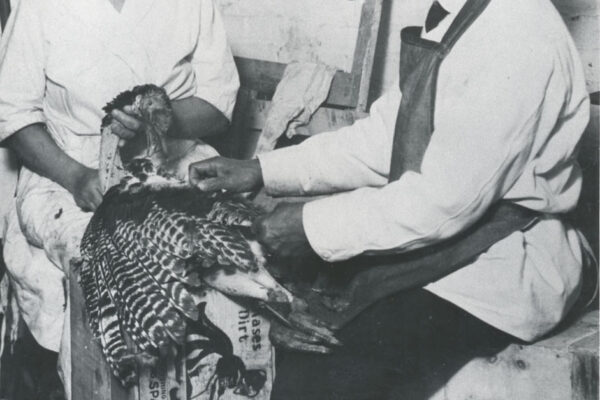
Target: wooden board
(561,367)
(350,86)
(347,99)
(582,17)
(283,31)
(91,378)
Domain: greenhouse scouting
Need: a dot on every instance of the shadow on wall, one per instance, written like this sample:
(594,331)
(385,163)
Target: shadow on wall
(585,216)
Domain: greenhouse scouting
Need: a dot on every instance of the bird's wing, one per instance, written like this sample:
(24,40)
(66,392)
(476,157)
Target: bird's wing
(233,211)
(112,340)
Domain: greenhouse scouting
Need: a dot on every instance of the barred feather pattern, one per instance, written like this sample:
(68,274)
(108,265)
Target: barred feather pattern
(145,255)
(113,342)
(128,324)
(149,306)
(128,239)
(142,252)
(226,245)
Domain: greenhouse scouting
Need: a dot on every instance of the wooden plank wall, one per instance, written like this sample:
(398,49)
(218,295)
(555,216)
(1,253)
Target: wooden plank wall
(583,20)
(284,31)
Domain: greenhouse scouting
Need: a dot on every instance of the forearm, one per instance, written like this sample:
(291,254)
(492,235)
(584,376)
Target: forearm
(327,163)
(38,152)
(195,118)
(349,158)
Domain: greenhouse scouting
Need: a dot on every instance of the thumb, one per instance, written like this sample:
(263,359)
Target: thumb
(204,169)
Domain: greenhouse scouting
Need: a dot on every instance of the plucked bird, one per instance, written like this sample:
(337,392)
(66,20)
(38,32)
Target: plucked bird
(155,244)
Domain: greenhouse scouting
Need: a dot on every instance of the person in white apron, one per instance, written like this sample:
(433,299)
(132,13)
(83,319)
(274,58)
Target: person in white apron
(481,131)
(61,61)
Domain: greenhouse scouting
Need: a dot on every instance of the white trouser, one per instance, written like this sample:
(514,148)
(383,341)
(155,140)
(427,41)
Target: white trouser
(43,233)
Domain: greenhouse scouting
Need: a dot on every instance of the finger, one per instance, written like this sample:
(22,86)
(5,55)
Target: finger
(121,131)
(98,196)
(129,110)
(305,347)
(86,205)
(210,184)
(129,121)
(296,340)
(204,169)
(299,304)
(259,228)
(81,204)
(314,327)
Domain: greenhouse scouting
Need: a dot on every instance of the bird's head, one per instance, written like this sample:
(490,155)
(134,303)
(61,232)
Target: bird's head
(155,108)
(152,106)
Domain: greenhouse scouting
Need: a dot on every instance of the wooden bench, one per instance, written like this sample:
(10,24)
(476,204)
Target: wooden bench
(563,366)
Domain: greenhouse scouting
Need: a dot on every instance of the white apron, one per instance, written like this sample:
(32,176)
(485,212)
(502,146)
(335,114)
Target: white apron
(61,61)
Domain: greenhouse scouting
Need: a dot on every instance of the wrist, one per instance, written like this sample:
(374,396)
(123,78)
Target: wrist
(73,176)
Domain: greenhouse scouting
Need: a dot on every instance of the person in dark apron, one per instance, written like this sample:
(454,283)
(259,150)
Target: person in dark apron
(411,315)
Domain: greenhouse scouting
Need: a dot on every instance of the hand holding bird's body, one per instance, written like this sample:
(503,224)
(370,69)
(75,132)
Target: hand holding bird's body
(154,246)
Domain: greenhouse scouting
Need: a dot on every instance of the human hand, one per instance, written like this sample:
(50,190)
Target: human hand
(126,124)
(293,339)
(281,231)
(86,189)
(225,173)
(304,332)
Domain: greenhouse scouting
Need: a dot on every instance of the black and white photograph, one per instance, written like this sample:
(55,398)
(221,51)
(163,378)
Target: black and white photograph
(299,200)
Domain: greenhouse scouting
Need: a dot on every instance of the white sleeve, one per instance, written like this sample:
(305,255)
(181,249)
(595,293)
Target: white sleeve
(22,77)
(487,111)
(351,157)
(217,79)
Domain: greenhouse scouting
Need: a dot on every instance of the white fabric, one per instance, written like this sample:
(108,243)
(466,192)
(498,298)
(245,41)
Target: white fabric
(301,91)
(511,107)
(61,61)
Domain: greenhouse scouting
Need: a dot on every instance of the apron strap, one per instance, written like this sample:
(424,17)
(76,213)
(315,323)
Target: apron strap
(466,16)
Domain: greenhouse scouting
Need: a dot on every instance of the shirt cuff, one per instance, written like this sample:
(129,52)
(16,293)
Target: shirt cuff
(222,91)
(326,224)
(16,122)
(224,102)
(280,176)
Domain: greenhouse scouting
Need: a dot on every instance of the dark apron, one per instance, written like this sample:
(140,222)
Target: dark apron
(350,287)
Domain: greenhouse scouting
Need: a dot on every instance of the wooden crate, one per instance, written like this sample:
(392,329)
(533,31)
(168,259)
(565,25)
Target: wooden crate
(562,367)
(90,375)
